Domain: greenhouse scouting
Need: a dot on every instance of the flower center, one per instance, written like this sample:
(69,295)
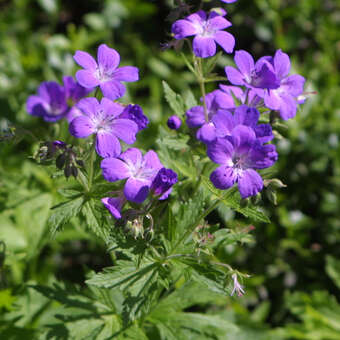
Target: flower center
(103,74)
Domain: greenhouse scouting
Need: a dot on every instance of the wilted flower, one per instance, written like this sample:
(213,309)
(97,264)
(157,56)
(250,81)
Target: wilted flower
(114,205)
(238,289)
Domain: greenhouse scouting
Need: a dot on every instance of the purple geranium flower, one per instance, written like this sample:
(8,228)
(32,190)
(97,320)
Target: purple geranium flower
(138,170)
(163,182)
(104,73)
(239,155)
(103,119)
(174,122)
(74,92)
(286,97)
(114,205)
(252,75)
(207,31)
(50,103)
(196,116)
(135,113)
(228,1)
(225,122)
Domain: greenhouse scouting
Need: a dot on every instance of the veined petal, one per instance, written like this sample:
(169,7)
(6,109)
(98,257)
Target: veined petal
(136,190)
(224,123)
(113,205)
(217,22)
(114,169)
(81,127)
(108,58)
(195,116)
(85,60)
(288,106)
(245,115)
(245,63)
(272,100)
(111,108)
(249,183)
(243,137)
(126,73)
(263,133)
(197,18)
(88,106)
(113,89)
(125,129)
(281,64)
(234,75)
(107,144)
(262,156)
(132,156)
(223,177)
(151,161)
(221,151)
(183,28)
(225,40)
(87,79)
(204,47)
(293,85)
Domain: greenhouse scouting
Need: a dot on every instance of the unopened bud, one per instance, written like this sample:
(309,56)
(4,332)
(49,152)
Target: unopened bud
(60,161)
(271,194)
(274,183)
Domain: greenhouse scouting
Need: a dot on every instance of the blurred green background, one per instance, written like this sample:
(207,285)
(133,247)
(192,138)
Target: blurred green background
(295,261)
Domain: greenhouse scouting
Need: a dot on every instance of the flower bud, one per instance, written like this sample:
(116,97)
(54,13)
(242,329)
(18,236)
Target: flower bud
(163,182)
(174,122)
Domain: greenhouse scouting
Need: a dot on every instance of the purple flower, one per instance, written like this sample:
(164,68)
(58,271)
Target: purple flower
(252,75)
(228,1)
(174,122)
(138,170)
(225,123)
(196,116)
(237,287)
(239,155)
(286,97)
(104,73)
(114,205)
(163,182)
(103,119)
(74,92)
(50,103)
(207,31)
(135,113)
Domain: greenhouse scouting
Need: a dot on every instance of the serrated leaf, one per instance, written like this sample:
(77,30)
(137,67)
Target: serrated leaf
(190,100)
(233,201)
(333,269)
(63,212)
(210,63)
(175,143)
(174,100)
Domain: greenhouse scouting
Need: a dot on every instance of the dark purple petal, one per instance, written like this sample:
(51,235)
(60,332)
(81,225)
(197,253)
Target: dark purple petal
(221,152)
(224,123)
(114,169)
(73,90)
(245,115)
(225,40)
(35,106)
(107,145)
(242,138)
(113,205)
(217,22)
(234,75)
(111,108)
(81,127)
(174,122)
(293,85)
(125,129)
(183,28)
(87,78)
(265,77)
(245,64)
(207,133)
(163,181)
(135,113)
(136,190)
(281,64)
(204,47)
(228,1)
(223,177)
(85,60)
(264,133)
(132,156)
(195,116)
(249,183)
(88,106)
(113,89)
(126,73)
(262,156)
(197,18)
(108,58)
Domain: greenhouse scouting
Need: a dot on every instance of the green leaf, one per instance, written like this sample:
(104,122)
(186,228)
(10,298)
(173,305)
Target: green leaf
(174,100)
(233,201)
(63,212)
(333,269)
(210,63)
(189,100)
(175,142)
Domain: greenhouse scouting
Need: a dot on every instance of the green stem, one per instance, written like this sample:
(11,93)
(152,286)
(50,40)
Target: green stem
(91,165)
(201,81)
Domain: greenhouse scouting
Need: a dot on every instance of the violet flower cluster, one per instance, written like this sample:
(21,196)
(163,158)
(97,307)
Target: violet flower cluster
(109,122)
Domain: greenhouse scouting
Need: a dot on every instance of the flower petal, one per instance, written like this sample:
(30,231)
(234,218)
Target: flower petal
(126,73)
(245,63)
(281,64)
(35,106)
(113,205)
(293,85)
(288,107)
(125,129)
(183,28)
(225,40)
(132,156)
(151,161)
(223,177)
(81,127)
(221,152)
(272,100)
(245,115)
(204,47)
(198,17)
(88,106)
(262,156)
(224,123)
(234,75)
(195,116)
(108,58)
(87,79)
(243,137)
(107,145)
(85,60)
(249,183)
(136,190)
(207,133)
(114,169)
(111,108)
(113,89)
(264,133)
(217,22)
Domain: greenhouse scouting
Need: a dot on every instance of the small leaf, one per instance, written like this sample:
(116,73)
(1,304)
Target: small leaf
(174,100)
(333,269)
